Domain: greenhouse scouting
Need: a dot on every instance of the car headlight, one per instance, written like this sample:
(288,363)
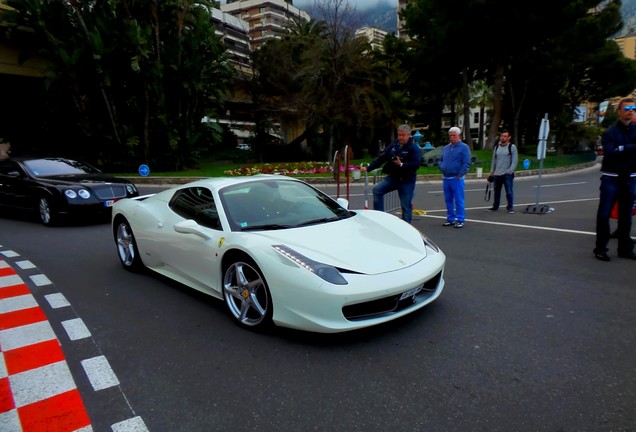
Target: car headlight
(429,243)
(130,188)
(324,271)
(71,194)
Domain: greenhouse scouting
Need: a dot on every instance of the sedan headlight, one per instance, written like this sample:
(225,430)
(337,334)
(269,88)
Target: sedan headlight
(130,188)
(71,194)
(324,271)
(429,243)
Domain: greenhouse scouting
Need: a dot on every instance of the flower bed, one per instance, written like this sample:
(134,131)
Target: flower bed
(287,168)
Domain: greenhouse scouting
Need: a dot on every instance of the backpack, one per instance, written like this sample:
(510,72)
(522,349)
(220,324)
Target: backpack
(509,149)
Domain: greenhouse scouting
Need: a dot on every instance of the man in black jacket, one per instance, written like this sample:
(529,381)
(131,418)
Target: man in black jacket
(618,182)
(401,160)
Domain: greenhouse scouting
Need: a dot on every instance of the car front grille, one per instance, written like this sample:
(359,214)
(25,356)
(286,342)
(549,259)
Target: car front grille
(390,305)
(109,191)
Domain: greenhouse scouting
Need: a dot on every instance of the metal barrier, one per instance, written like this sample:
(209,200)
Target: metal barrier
(392,199)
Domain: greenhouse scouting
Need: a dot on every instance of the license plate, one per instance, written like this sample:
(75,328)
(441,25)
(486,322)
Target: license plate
(109,203)
(410,293)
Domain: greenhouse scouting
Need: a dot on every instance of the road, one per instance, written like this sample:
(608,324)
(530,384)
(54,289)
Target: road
(531,333)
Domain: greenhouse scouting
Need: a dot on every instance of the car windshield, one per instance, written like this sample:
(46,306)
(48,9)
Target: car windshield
(278,204)
(50,167)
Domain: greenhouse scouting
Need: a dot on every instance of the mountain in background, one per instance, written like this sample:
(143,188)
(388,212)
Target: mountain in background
(383,15)
(628,10)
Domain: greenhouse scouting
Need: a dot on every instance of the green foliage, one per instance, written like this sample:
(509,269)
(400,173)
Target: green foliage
(133,79)
(552,56)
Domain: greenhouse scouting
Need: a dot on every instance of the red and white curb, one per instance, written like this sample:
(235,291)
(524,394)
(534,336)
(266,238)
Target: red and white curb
(37,390)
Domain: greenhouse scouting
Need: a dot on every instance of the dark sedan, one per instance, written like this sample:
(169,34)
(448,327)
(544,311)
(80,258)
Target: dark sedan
(55,187)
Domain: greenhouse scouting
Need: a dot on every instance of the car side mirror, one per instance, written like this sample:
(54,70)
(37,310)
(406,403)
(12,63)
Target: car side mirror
(344,203)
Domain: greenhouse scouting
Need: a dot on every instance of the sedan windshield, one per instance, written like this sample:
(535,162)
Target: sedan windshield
(278,204)
(51,167)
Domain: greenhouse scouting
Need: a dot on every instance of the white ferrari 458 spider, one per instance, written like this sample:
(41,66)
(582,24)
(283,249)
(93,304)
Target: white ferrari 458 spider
(276,249)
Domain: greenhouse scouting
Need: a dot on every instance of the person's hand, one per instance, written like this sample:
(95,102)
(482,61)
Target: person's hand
(363,169)
(397,161)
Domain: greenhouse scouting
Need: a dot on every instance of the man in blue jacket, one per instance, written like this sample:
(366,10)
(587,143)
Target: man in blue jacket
(401,160)
(618,182)
(454,163)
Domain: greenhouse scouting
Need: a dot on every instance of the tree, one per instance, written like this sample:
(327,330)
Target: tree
(557,61)
(134,79)
(325,74)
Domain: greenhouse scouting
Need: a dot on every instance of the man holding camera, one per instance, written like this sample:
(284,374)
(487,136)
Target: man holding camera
(401,160)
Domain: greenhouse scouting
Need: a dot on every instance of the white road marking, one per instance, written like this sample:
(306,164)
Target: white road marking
(4,264)
(17,303)
(40,280)
(76,329)
(561,184)
(57,300)
(100,373)
(10,280)
(3,370)
(18,337)
(41,383)
(9,253)
(25,265)
(9,421)
(135,424)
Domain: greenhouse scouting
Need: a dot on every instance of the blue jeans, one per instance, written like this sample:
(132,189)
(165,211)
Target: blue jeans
(454,197)
(505,181)
(615,189)
(405,192)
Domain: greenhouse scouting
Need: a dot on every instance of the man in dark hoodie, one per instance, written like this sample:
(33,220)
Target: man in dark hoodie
(401,160)
(618,182)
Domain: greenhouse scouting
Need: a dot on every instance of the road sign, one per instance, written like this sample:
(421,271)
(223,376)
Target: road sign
(526,163)
(144,170)
(544,130)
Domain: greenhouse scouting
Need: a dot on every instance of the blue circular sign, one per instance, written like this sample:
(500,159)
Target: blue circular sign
(144,170)
(526,164)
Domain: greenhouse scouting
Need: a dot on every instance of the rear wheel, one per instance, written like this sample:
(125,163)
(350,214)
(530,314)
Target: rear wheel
(246,294)
(127,246)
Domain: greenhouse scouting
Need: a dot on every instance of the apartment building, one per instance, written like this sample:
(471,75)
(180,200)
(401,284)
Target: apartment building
(265,18)
(234,33)
(374,35)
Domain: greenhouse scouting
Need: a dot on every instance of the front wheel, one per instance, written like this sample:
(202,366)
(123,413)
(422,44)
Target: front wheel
(45,209)
(246,294)
(127,246)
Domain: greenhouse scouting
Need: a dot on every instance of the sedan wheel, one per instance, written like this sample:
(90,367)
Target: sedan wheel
(127,247)
(46,212)
(246,295)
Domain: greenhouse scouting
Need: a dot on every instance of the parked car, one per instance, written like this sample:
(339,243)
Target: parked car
(276,249)
(54,187)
